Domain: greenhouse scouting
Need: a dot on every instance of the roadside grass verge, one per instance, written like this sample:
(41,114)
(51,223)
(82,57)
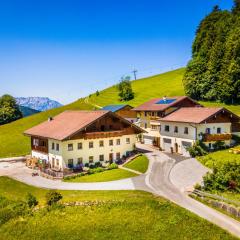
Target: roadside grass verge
(134,215)
(106,176)
(139,164)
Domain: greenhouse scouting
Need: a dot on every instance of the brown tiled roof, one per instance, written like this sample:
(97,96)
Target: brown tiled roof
(153,105)
(65,124)
(192,114)
(68,123)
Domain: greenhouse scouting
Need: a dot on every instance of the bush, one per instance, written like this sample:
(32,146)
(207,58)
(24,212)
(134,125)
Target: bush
(236,138)
(31,200)
(52,197)
(225,176)
(198,149)
(86,165)
(97,164)
(112,166)
(218,145)
(96,170)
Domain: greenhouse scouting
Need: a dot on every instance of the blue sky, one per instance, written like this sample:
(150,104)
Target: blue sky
(68,49)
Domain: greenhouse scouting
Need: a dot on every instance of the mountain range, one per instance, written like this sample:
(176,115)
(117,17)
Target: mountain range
(38,103)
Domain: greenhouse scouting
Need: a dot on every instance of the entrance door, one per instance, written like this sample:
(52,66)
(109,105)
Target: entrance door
(110,157)
(176,147)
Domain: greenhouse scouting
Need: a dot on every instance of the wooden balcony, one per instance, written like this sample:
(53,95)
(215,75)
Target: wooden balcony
(217,137)
(43,149)
(107,134)
(155,118)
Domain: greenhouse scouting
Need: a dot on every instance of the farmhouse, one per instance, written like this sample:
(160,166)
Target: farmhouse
(75,138)
(180,129)
(122,110)
(149,114)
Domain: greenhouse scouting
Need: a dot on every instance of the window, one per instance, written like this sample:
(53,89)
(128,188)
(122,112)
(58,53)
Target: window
(128,140)
(70,163)
(79,146)
(90,144)
(166,128)
(153,114)
(118,141)
(57,162)
(53,146)
(208,130)
(110,127)
(145,125)
(118,156)
(176,129)
(70,147)
(110,142)
(79,160)
(186,130)
(57,146)
(145,114)
(154,127)
(90,159)
(101,143)
(101,157)
(35,142)
(219,130)
(102,128)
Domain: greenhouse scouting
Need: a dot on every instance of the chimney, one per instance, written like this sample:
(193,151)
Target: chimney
(50,119)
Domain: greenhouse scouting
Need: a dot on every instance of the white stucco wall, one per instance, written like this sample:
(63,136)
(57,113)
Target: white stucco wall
(63,155)
(193,133)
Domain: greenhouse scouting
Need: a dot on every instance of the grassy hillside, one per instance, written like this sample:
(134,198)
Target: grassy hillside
(169,84)
(13,143)
(165,84)
(117,215)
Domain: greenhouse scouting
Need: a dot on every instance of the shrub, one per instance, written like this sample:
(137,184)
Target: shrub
(198,149)
(112,166)
(52,197)
(31,200)
(97,164)
(225,176)
(96,170)
(236,138)
(218,145)
(86,165)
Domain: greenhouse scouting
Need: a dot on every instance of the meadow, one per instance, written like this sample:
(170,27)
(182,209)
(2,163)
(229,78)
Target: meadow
(119,215)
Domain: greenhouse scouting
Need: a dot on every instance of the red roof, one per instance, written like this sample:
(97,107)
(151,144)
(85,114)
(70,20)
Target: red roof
(68,123)
(192,114)
(65,124)
(158,104)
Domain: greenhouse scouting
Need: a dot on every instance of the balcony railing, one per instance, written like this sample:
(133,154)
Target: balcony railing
(107,134)
(154,118)
(217,137)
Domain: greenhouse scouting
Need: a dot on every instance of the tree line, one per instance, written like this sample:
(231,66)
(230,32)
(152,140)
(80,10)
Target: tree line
(213,73)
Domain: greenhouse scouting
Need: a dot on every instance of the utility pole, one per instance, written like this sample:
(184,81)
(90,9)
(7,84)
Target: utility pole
(135,73)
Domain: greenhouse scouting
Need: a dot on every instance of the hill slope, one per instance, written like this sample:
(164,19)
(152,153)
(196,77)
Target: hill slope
(13,143)
(169,84)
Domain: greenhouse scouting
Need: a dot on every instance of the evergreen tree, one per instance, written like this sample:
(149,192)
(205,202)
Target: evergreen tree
(213,73)
(9,110)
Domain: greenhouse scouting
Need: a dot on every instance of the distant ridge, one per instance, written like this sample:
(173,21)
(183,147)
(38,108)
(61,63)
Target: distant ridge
(26,111)
(38,103)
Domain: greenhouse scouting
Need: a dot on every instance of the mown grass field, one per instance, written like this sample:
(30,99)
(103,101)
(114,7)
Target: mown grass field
(13,143)
(139,164)
(109,175)
(132,215)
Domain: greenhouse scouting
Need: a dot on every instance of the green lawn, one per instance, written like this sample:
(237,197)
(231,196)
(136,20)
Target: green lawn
(109,175)
(13,143)
(132,215)
(218,157)
(139,164)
